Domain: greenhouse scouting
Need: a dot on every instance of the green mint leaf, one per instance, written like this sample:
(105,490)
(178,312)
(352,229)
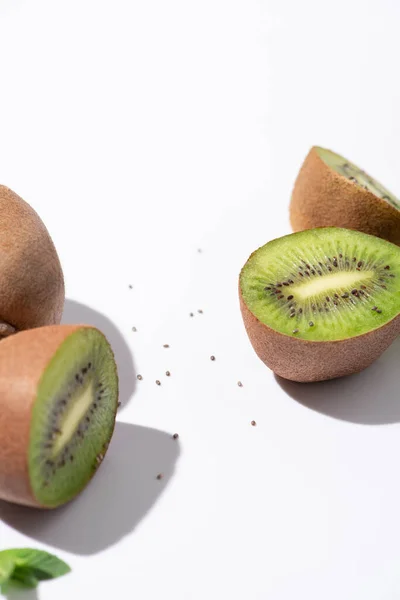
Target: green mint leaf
(27,566)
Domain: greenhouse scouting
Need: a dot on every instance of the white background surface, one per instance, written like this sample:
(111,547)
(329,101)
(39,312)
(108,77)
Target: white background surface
(144,130)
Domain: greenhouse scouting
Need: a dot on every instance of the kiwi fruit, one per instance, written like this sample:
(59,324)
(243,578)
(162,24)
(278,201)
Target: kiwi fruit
(332,191)
(31,279)
(58,402)
(321,303)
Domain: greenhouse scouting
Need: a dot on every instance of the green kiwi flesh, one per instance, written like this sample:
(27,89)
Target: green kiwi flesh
(323,284)
(73,417)
(344,167)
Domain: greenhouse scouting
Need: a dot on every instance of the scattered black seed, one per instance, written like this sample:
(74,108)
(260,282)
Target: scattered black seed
(77,377)
(89,365)
(290,280)
(308,266)
(381,279)
(167,373)
(387,267)
(319,272)
(292,315)
(391,275)
(200,311)
(95,405)
(307,273)
(285,283)
(158,382)
(240,384)
(280,297)
(335,303)
(354,259)
(212,357)
(379,311)
(345,295)
(312,272)
(301,274)
(139,377)
(328,299)
(88,419)
(300,311)
(71,458)
(160,476)
(340,255)
(374,308)
(295,331)
(166,346)
(199,250)
(191,315)
(329,268)
(84,371)
(175,436)
(134,329)
(354,292)
(384,287)
(361,292)
(267,288)
(359,264)
(290,297)
(253,423)
(335,263)
(311,324)
(363,287)
(131,287)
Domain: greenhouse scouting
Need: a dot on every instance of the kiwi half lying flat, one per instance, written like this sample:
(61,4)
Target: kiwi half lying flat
(58,401)
(321,303)
(332,191)
(31,278)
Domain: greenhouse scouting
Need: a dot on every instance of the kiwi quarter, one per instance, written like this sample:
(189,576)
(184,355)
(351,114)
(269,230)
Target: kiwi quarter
(31,278)
(321,303)
(332,191)
(58,401)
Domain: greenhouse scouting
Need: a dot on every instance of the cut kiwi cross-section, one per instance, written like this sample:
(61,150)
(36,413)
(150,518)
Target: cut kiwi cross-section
(58,402)
(332,191)
(321,303)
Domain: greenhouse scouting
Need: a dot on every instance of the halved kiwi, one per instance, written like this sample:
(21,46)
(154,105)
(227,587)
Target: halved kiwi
(31,278)
(332,191)
(321,303)
(58,401)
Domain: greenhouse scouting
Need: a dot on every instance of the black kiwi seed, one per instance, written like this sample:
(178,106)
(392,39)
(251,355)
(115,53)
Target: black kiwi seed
(285,283)
(280,297)
(354,292)
(290,297)
(295,331)
(359,264)
(328,299)
(387,267)
(354,259)
(311,324)
(345,295)
(300,311)
(301,274)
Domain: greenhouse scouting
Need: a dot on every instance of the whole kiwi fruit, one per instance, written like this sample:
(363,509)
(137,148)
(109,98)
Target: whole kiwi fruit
(58,402)
(321,303)
(31,279)
(332,191)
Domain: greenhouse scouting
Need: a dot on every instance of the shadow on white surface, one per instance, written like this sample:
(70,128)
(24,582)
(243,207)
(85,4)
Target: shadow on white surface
(371,397)
(115,501)
(21,594)
(77,314)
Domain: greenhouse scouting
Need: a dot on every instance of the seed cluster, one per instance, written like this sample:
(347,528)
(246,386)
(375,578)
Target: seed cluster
(362,179)
(283,292)
(52,463)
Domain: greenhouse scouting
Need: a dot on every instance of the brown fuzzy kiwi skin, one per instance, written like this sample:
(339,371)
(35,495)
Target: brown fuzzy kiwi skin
(306,361)
(23,359)
(32,290)
(323,198)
